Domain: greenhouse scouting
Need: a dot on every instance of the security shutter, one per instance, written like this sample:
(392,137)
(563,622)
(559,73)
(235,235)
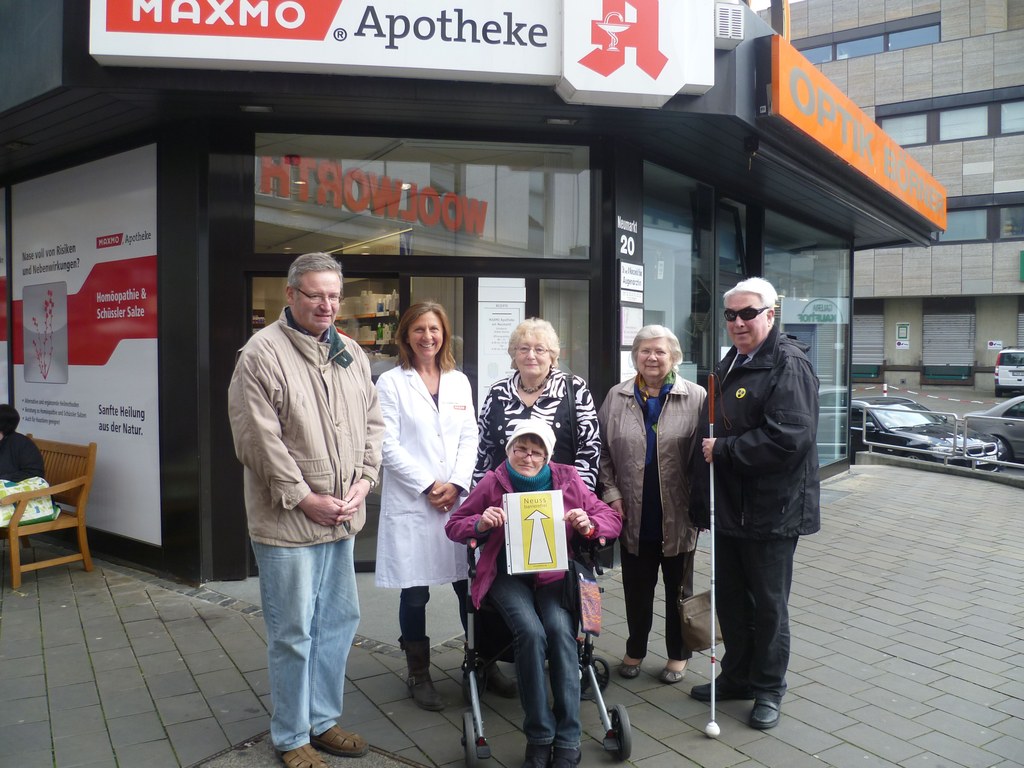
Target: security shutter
(868,341)
(948,340)
(825,364)
(1020,329)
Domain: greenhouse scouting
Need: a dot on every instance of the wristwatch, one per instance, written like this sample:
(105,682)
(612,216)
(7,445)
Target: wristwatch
(371,481)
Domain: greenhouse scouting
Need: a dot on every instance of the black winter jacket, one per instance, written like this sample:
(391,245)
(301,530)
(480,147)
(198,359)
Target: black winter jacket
(765,455)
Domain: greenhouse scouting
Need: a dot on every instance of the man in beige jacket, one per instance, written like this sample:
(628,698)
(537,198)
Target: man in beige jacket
(308,429)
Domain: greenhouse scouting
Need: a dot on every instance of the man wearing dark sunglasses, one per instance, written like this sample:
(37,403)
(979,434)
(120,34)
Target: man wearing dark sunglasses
(766,495)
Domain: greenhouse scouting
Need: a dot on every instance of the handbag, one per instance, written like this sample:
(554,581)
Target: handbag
(581,597)
(39,510)
(695,617)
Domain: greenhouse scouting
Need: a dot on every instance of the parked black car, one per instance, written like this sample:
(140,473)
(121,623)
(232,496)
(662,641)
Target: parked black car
(899,426)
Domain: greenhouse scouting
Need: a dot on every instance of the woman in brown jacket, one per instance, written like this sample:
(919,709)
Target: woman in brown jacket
(648,432)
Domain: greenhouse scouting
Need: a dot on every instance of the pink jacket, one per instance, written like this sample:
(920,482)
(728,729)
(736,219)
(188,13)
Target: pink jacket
(488,493)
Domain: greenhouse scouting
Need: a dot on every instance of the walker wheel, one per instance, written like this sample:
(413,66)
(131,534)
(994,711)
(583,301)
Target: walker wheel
(621,741)
(475,749)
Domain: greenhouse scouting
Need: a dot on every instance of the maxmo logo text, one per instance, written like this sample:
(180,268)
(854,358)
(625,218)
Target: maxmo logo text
(284,19)
(327,183)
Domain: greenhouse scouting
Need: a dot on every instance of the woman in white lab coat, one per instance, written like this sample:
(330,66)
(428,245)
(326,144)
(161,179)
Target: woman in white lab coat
(430,443)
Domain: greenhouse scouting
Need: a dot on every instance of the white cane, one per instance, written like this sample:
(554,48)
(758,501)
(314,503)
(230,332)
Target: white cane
(711,729)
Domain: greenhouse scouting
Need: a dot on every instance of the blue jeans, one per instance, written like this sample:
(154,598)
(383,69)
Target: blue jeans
(311,611)
(541,628)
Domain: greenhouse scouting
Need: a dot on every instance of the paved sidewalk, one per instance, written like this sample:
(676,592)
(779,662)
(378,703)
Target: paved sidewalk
(908,650)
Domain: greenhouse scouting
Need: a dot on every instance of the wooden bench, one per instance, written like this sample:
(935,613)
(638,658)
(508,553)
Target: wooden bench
(69,471)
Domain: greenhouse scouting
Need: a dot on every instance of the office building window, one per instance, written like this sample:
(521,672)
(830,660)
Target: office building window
(963,123)
(907,130)
(1011,222)
(966,225)
(818,55)
(865,46)
(1011,117)
(849,45)
(911,38)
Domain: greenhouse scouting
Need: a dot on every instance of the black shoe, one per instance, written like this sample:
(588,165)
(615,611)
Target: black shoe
(497,682)
(723,692)
(765,714)
(565,758)
(537,756)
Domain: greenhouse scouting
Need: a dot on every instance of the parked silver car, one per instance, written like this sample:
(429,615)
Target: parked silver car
(1005,422)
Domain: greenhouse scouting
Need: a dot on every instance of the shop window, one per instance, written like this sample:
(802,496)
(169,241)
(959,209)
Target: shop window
(384,196)
(906,130)
(865,46)
(1011,117)
(1011,222)
(677,270)
(566,305)
(810,269)
(966,225)
(963,123)
(911,38)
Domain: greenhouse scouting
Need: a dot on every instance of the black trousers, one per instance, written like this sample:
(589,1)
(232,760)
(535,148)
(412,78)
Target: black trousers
(752,583)
(639,580)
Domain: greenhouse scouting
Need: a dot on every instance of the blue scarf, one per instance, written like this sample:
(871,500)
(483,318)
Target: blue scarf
(652,411)
(523,484)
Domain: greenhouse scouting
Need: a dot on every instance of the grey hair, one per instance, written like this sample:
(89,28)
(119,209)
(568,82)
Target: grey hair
(756,285)
(539,329)
(649,332)
(312,262)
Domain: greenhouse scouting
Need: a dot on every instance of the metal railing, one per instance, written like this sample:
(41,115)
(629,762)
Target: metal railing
(956,456)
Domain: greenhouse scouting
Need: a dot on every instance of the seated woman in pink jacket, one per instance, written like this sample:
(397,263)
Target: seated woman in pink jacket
(531,605)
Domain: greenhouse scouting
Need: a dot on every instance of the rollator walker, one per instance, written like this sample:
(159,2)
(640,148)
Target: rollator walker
(485,627)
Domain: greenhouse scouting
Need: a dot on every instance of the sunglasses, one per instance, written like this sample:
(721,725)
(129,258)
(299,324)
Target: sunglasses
(746,314)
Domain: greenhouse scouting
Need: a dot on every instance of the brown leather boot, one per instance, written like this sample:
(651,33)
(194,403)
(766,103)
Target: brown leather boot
(421,687)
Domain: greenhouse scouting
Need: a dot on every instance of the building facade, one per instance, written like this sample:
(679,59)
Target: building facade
(598,163)
(946,80)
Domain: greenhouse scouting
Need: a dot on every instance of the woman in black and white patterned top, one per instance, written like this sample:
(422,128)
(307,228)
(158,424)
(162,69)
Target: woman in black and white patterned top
(538,390)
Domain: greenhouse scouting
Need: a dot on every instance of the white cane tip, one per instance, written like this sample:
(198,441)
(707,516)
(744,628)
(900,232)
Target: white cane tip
(712,730)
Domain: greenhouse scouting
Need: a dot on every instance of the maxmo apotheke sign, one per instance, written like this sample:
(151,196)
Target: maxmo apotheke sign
(637,53)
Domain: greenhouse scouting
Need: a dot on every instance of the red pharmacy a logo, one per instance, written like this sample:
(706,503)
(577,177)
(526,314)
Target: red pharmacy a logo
(615,31)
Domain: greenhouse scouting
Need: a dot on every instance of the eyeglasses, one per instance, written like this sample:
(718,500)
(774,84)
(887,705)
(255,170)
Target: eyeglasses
(746,314)
(320,298)
(522,453)
(659,353)
(538,351)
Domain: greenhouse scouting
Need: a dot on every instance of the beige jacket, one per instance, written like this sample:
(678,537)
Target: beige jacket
(624,447)
(301,423)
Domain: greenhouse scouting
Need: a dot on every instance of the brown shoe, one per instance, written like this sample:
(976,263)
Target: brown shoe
(302,757)
(340,743)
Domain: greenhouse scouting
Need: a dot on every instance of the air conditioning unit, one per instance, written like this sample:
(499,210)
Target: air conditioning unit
(728,25)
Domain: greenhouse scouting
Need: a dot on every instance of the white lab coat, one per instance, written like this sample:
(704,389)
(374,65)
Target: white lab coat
(422,443)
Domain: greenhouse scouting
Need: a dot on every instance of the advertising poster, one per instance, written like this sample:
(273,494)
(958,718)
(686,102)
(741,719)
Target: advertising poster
(4,348)
(84,335)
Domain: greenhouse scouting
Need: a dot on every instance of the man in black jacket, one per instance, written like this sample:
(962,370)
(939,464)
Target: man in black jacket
(766,495)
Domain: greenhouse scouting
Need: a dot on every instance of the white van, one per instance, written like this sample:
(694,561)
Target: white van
(1009,371)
